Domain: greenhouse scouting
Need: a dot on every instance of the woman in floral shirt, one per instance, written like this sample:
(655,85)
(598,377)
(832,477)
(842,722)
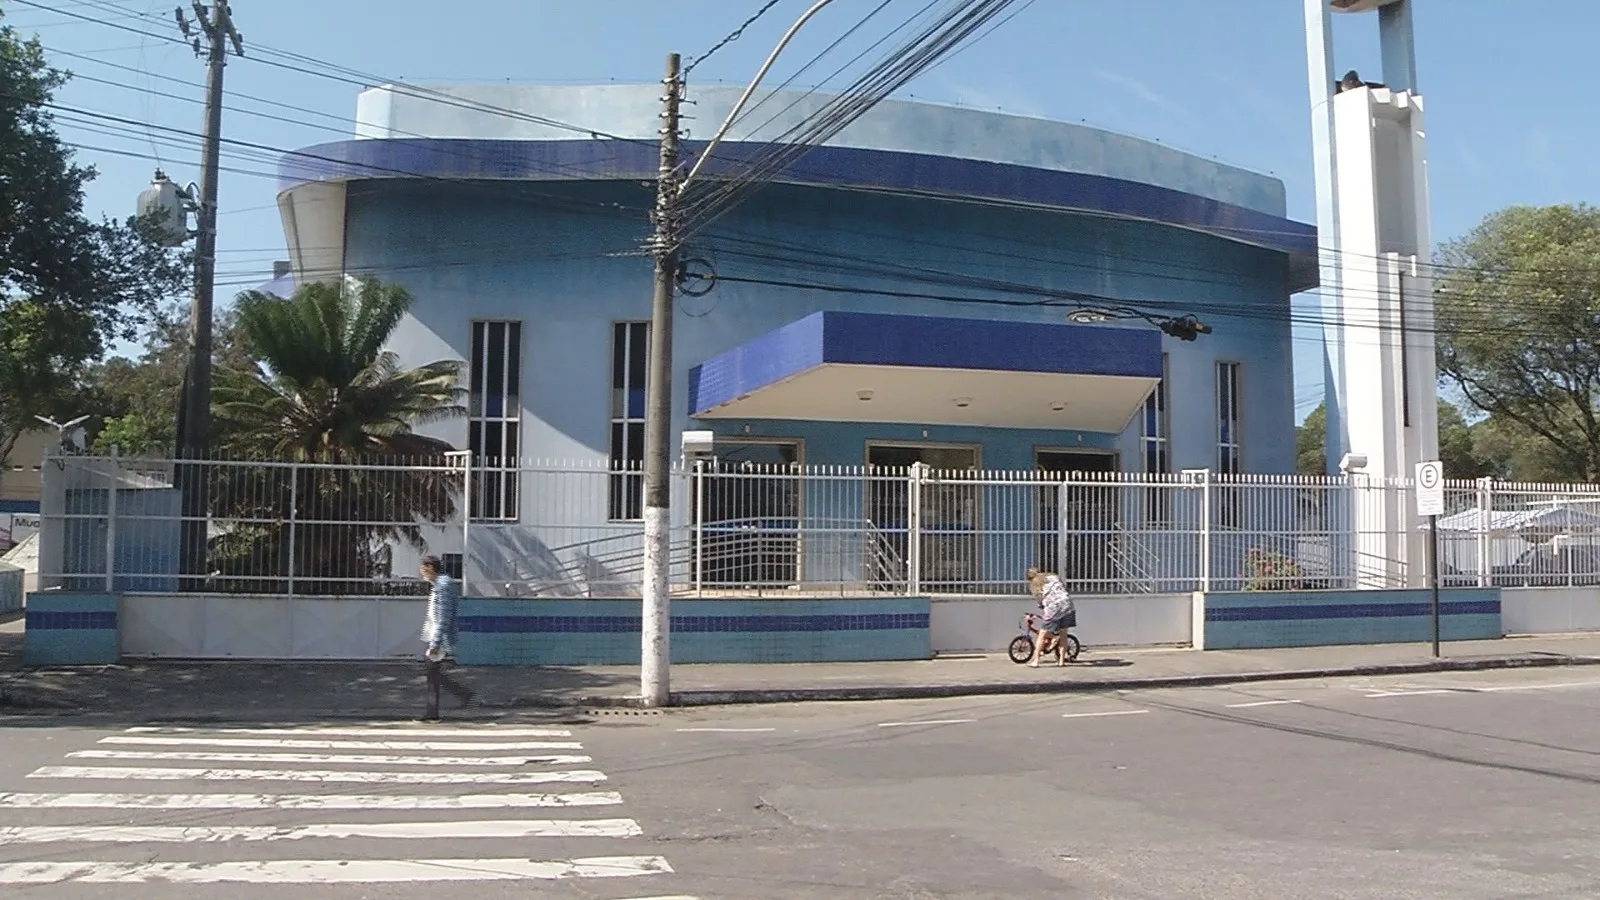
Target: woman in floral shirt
(1059,613)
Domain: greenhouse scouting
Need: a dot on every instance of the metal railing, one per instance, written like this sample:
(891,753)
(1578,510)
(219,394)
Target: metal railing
(568,530)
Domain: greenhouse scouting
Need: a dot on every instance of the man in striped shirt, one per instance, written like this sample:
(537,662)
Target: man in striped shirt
(439,634)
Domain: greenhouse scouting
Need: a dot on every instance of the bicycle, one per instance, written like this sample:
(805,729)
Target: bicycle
(1021,649)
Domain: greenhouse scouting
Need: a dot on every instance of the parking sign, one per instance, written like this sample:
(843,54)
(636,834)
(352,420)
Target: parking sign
(1430,488)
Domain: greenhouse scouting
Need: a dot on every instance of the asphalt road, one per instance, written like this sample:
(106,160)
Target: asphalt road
(1478,785)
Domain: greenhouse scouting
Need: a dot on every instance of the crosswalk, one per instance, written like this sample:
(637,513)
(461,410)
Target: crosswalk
(403,804)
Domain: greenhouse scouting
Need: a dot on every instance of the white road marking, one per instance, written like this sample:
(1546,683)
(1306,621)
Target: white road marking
(331,777)
(333,759)
(729,730)
(177,834)
(1260,703)
(926,722)
(1531,687)
(1115,712)
(375,729)
(305,801)
(293,744)
(673,897)
(1407,693)
(329,871)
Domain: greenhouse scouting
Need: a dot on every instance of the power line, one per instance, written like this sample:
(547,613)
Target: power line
(133,126)
(899,69)
(732,36)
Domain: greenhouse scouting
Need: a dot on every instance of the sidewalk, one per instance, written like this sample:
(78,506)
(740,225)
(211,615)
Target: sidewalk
(314,689)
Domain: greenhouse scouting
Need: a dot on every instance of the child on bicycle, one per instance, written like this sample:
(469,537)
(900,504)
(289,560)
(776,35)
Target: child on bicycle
(1059,613)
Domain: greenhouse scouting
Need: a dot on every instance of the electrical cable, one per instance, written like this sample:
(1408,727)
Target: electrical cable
(900,68)
(732,36)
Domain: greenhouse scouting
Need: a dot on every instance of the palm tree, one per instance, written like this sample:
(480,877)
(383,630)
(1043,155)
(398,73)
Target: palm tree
(326,395)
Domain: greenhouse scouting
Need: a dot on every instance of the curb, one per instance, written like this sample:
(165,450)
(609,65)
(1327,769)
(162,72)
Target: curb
(979,689)
(16,704)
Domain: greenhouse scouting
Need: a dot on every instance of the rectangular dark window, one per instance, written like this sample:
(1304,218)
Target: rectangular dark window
(630,353)
(494,425)
(1228,418)
(1156,428)
(1228,443)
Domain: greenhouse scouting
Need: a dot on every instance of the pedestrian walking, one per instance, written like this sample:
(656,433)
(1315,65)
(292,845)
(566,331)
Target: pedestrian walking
(439,636)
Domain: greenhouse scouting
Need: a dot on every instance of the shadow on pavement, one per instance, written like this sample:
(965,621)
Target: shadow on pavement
(309,691)
(1105,662)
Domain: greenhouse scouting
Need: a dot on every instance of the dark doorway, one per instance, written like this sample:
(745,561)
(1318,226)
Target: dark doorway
(949,510)
(1082,556)
(749,534)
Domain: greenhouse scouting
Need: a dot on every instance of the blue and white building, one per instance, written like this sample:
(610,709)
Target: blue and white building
(898,295)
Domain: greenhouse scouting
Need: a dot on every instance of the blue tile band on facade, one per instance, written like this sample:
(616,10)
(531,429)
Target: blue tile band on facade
(922,342)
(66,628)
(1297,612)
(1259,620)
(849,167)
(693,624)
(41,620)
(512,632)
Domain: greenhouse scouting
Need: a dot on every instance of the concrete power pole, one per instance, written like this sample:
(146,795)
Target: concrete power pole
(655,644)
(215,26)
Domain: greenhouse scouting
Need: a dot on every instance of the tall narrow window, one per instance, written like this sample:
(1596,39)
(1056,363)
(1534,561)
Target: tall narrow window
(1157,453)
(630,348)
(1228,445)
(1228,418)
(494,425)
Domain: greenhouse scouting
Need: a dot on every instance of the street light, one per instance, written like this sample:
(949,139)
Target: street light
(744,98)
(69,433)
(655,654)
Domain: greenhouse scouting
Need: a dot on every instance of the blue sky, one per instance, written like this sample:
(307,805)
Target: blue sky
(1510,97)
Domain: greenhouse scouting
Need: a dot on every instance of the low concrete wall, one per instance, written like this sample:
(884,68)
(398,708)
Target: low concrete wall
(496,632)
(1550,610)
(1259,620)
(246,626)
(69,629)
(987,624)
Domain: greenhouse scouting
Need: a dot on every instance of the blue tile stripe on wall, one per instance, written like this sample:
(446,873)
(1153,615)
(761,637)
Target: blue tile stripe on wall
(921,342)
(694,624)
(824,166)
(1350,611)
(42,620)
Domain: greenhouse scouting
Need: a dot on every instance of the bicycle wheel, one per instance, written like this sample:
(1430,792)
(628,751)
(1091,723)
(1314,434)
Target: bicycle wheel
(1021,649)
(1073,647)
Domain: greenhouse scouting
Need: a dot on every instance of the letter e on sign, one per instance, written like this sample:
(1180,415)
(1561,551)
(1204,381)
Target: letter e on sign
(1430,488)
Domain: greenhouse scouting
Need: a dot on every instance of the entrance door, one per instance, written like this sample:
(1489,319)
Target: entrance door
(749,533)
(948,512)
(1082,556)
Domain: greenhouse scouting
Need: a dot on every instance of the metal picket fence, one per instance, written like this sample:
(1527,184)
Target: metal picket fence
(538,529)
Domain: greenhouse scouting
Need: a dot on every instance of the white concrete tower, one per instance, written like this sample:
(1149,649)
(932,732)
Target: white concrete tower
(1377,294)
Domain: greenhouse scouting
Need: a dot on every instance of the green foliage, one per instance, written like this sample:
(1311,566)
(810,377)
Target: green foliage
(69,286)
(139,398)
(1519,334)
(1309,440)
(1269,570)
(330,391)
(321,390)
(1459,448)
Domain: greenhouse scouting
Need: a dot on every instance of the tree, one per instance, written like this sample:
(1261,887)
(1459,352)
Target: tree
(1458,449)
(68,286)
(137,399)
(324,392)
(1518,330)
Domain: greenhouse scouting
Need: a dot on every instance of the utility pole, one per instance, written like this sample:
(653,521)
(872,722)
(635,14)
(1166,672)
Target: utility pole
(655,644)
(215,25)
